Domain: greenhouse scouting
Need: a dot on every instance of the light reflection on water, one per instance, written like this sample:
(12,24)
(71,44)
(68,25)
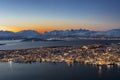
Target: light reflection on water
(59,71)
(10,64)
(100,70)
(55,71)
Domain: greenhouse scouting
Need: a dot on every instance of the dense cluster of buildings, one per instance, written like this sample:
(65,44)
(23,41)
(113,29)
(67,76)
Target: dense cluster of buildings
(96,54)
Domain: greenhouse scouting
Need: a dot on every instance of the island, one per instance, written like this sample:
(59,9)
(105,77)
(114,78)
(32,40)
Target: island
(95,54)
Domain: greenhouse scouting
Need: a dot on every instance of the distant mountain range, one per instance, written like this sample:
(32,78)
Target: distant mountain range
(114,33)
(19,35)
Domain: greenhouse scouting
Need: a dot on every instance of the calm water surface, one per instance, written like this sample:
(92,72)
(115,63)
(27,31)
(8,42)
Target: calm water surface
(59,71)
(29,44)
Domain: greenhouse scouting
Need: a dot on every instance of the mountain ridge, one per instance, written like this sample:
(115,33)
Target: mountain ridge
(113,33)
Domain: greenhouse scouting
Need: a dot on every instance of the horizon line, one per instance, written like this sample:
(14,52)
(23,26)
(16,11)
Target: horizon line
(54,30)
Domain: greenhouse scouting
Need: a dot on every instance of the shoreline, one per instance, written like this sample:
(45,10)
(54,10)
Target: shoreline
(2,44)
(34,44)
(96,54)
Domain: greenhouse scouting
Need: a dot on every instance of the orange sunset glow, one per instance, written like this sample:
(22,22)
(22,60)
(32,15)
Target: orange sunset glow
(42,27)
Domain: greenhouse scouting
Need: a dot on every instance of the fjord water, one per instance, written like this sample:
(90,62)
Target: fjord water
(58,71)
(17,44)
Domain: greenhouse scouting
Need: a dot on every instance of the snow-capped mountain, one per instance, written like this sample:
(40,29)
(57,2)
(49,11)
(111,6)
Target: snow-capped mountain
(83,33)
(19,35)
(68,33)
(114,33)
(7,34)
(28,34)
(110,33)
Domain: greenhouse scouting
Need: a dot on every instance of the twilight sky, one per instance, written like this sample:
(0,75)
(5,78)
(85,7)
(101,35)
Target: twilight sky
(47,15)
